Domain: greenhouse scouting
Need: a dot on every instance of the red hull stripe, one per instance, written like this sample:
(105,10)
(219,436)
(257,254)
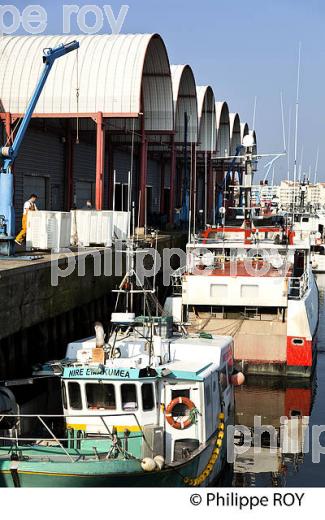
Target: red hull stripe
(299,355)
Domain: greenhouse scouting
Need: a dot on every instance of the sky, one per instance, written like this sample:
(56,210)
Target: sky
(244,49)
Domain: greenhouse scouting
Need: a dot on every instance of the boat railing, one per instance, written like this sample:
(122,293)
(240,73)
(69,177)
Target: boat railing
(195,265)
(176,279)
(298,286)
(11,423)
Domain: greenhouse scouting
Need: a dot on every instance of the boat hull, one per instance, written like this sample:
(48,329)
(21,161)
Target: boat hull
(111,473)
(299,350)
(268,346)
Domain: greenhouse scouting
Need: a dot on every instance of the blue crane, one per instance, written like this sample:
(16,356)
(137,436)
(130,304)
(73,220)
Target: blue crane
(10,153)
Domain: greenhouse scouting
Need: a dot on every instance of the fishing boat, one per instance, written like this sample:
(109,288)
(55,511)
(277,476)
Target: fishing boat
(308,223)
(254,281)
(148,406)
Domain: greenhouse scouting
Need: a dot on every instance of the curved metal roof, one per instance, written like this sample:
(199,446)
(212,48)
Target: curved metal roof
(112,71)
(223,129)
(185,100)
(235,135)
(253,133)
(244,130)
(207,119)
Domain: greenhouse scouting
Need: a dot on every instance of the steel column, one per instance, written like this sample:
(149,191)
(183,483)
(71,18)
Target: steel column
(194,181)
(110,170)
(162,186)
(143,173)
(8,129)
(172,182)
(100,160)
(210,190)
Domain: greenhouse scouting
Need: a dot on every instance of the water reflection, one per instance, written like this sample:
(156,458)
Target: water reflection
(280,441)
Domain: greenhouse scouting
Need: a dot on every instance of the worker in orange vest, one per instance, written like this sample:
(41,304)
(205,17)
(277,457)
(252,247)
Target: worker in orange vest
(30,205)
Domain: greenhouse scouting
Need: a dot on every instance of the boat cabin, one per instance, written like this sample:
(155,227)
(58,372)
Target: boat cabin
(168,409)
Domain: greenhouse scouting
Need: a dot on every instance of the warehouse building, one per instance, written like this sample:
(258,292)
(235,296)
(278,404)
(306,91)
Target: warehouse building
(115,122)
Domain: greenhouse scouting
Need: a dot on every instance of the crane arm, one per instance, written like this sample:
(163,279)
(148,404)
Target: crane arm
(10,153)
(49,56)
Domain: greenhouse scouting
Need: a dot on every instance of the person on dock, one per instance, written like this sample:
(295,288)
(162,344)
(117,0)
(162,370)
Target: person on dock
(88,205)
(30,205)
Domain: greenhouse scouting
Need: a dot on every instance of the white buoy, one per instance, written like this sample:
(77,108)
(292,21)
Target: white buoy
(100,334)
(148,464)
(160,462)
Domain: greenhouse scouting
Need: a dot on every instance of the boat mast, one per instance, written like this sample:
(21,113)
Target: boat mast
(289,143)
(296,135)
(316,166)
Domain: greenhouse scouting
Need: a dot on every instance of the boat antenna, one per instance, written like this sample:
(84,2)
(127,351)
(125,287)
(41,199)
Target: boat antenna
(316,166)
(283,129)
(254,113)
(296,133)
(114,188)
(289,143)
(129,203)
(300,165)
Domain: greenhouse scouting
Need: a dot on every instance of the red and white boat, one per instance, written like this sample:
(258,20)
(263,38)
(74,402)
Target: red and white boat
(243,282)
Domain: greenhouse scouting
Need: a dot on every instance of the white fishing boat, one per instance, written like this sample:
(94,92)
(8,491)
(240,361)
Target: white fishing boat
(148,406)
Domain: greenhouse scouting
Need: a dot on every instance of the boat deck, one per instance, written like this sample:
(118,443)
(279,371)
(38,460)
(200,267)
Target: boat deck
(240,268)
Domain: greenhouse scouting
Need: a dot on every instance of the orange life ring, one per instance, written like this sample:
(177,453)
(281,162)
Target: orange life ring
(179,425)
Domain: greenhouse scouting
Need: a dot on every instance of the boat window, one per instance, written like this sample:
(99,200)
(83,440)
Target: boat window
(298,341)
(147,397)
(100,396)
(64,396)
(75,396)
(129,397)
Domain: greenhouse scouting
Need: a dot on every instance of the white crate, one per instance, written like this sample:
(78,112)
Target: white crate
(121,220)
(90,227)
(48,230)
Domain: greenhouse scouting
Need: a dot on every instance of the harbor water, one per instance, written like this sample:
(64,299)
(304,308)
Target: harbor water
(271,399)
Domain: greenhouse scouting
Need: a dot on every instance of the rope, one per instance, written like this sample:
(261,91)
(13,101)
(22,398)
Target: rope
(230,330)
(202,477)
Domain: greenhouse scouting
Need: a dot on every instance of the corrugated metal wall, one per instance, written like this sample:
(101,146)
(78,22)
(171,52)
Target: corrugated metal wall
(122,165)
(153,180)
(84,173)
(41,156)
